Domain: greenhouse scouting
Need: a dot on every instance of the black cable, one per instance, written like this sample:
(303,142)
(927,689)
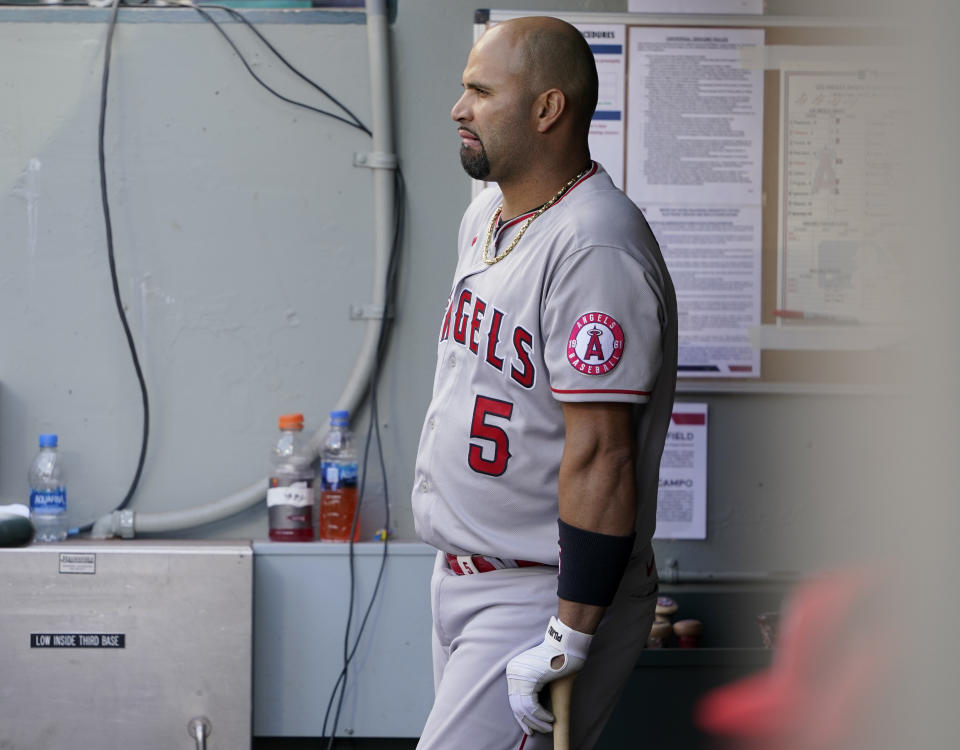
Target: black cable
(236,15)
(108,225)
(288,100)
(341,683)
(389,294)
(373,428)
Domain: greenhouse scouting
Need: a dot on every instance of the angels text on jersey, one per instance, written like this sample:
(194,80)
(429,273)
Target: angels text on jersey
(465,318)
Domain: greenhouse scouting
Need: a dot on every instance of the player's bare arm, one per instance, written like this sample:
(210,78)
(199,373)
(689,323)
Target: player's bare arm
(597,506)
(596,484)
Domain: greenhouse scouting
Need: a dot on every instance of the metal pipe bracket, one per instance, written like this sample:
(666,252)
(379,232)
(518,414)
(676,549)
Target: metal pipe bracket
(375,160)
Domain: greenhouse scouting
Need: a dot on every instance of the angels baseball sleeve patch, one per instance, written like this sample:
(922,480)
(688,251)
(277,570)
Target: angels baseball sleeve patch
(595,345)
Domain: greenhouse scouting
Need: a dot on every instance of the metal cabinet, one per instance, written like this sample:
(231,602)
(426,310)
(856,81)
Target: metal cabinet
(123,644)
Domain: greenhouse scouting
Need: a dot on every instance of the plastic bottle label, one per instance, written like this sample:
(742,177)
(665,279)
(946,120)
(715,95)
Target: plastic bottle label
(49,501)
(298,495)
(336,476)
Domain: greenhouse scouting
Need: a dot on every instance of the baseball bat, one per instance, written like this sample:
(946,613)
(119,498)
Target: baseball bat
(560,692)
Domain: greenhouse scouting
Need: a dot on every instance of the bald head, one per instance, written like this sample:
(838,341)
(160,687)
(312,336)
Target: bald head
(553,54)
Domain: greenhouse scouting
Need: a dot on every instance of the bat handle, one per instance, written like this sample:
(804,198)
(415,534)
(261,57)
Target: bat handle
(560,692)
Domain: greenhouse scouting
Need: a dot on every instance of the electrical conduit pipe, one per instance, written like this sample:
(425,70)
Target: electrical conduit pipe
(127,523)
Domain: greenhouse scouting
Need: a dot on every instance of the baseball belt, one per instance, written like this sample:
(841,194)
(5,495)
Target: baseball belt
(469,564)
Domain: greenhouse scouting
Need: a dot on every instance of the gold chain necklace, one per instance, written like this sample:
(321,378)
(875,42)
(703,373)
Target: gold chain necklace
(496,215)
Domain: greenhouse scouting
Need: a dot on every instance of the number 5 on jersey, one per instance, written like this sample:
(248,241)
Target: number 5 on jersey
(484,410)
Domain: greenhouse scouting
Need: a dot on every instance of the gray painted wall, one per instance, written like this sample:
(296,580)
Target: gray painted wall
(243,236)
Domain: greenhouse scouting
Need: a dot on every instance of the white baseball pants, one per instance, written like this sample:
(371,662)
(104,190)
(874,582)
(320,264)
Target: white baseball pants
(482,620)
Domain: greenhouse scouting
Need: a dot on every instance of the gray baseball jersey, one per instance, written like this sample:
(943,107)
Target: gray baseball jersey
(582,309)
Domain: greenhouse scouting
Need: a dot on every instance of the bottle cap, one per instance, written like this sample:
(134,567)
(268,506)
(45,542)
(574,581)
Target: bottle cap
(339,417)
(48,440)
(290,422)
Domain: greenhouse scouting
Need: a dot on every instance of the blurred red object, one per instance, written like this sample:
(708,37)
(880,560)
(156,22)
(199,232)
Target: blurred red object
(834,649)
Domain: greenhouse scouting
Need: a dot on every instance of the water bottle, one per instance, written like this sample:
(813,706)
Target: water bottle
(290,496)
(48,492)
(338,481)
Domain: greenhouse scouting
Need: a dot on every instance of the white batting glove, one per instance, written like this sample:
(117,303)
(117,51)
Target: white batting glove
(529,671)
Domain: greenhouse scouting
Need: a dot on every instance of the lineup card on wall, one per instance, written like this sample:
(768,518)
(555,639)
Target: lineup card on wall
(842,255)
(682,495)
(694,163)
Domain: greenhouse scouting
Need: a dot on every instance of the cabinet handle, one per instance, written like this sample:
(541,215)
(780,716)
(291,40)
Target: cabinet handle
(199,728)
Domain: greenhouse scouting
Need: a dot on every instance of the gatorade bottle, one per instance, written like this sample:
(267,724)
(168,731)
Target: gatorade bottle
(338,481)
(290,497)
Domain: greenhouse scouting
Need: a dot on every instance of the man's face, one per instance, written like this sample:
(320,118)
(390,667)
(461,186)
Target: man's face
(493,111)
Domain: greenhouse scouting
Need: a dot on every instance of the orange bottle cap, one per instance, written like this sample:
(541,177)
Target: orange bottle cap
(290,422)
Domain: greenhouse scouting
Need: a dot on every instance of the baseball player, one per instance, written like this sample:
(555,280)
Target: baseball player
(553,391)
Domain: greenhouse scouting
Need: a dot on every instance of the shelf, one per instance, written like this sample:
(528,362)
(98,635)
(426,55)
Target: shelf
(341,549)
(804,337)
(705,657)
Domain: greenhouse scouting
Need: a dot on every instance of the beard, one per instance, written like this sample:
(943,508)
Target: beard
(476,164)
